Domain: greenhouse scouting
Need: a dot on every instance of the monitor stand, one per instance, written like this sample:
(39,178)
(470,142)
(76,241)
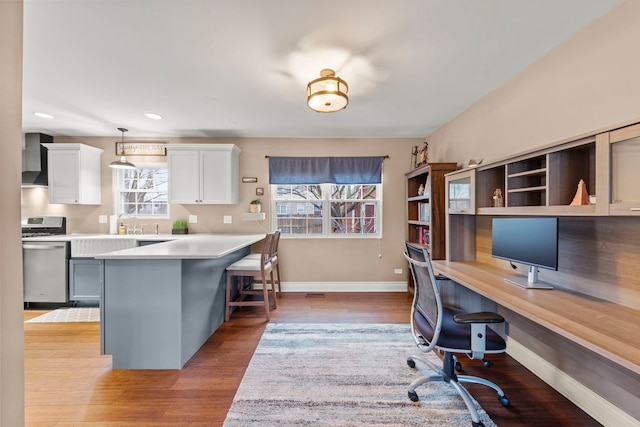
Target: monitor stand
(531,282)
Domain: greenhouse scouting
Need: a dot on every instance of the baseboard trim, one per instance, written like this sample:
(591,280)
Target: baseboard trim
(593,404)
(344,286)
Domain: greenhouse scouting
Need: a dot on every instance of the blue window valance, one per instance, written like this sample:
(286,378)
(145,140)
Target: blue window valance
(323,170)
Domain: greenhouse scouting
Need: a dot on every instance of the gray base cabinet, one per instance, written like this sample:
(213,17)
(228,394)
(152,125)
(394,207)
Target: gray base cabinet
(156,313)
(85,279)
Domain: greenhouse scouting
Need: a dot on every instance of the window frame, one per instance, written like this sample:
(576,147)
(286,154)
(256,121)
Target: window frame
(326,201)
(117,186)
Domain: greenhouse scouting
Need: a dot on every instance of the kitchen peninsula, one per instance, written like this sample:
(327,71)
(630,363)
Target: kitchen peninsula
(161,302)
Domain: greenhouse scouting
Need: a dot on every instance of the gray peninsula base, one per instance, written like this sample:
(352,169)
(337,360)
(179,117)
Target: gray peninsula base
(156,313)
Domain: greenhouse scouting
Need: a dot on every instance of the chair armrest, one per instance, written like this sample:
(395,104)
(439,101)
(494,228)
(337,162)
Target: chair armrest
(480,317)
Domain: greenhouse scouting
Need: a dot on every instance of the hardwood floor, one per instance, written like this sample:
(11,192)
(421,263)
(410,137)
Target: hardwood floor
(69,384)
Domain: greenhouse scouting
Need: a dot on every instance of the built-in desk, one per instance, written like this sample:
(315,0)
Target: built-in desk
(608,329)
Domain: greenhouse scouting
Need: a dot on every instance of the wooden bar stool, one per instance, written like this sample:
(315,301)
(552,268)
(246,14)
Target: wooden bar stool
(275,261)
(251,267)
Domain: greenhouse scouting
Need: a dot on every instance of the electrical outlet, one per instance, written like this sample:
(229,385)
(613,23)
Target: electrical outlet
(102,219)
(193,219)
(397,271)
(227,219)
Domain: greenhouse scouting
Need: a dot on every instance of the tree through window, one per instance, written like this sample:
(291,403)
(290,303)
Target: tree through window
(142,192)
(328,209)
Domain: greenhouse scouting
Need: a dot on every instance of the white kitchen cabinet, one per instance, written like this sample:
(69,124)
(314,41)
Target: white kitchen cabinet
(74,174)
(203,173)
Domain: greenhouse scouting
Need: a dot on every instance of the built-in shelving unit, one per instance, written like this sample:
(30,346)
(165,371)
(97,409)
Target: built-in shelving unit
(542,182)
(425,207)
(545,182)
(425,220)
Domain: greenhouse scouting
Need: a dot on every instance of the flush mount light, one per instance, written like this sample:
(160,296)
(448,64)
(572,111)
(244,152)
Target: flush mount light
(153,116)
(122,163)
(328,93)
(43,115)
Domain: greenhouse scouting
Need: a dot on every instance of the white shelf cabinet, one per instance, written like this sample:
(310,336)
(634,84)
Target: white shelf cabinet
(203,173)
(74,174)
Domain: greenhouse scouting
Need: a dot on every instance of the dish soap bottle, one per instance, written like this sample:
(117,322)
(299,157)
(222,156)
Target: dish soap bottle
(122,229)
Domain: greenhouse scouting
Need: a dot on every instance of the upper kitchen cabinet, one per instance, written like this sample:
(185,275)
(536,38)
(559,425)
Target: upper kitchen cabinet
(74,174)
(203,173)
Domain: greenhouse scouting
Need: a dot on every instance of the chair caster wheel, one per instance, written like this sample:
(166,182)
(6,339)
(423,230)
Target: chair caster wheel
(477,424)
(458,366)
(411,363)
(413,396)
(504,401)
(487,363)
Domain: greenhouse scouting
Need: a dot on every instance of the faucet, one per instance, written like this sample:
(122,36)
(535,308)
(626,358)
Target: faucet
(135,224)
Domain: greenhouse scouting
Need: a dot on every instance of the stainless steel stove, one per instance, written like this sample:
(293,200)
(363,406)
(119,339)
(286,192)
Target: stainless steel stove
(35,226)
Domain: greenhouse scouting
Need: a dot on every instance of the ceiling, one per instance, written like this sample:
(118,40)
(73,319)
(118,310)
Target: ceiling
(239,68)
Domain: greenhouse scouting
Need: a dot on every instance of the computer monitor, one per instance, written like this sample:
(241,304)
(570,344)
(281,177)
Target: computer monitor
(532,241)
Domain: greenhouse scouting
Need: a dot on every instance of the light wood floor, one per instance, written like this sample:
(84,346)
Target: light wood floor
(69,384)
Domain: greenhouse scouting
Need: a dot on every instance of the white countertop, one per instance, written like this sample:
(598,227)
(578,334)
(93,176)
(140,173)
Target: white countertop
(190,246)
(70,237)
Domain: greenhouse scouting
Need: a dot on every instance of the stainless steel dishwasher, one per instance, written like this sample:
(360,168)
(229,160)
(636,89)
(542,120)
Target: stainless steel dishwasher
(45,259)
(45,272)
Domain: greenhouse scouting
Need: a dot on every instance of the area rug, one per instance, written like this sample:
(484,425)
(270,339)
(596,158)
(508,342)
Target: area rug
(341,375)
(71,314)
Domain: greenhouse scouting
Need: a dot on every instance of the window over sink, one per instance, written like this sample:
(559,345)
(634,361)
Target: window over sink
(142,192)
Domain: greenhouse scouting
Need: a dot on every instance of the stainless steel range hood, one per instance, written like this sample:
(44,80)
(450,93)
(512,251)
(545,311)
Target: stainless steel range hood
(34,160)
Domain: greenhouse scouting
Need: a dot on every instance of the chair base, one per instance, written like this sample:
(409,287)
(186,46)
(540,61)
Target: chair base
(447,374)
(244,288)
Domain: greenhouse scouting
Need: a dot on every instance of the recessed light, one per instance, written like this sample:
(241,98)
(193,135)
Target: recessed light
(43,115)
(153,116)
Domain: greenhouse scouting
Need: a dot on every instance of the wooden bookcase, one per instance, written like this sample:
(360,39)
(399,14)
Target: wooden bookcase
(426,212)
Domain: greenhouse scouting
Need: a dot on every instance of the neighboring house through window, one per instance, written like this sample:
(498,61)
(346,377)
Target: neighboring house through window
(350,207)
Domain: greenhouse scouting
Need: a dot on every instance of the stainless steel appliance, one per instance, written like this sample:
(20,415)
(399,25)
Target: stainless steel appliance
(45,261)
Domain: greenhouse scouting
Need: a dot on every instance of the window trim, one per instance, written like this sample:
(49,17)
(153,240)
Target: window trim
(326,214)
(116,185)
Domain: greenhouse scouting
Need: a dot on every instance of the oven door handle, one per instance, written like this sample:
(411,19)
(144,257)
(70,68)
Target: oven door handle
(43,247)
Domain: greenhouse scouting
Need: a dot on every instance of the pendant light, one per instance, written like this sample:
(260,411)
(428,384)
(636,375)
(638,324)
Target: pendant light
(327,93)
(122,163)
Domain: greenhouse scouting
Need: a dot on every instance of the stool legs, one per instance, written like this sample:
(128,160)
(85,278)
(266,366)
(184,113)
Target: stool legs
(234,279)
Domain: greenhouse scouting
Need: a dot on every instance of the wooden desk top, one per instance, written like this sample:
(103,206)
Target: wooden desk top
(606,328)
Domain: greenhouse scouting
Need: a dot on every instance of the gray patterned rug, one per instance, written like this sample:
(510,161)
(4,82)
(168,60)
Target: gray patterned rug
(73,314)
(340,375)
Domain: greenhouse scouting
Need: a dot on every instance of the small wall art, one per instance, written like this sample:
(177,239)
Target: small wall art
(141,148)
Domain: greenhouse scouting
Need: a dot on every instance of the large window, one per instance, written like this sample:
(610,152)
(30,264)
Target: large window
(142,192)
(327,210)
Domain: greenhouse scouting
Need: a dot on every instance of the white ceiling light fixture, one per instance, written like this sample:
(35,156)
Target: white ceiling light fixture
(327,93)
(43,115)
(153,116)
(122,163)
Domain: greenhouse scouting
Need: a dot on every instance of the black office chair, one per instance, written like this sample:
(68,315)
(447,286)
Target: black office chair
(449,330)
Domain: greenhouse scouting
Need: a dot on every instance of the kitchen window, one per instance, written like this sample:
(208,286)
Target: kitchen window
(142,192)
(328,210)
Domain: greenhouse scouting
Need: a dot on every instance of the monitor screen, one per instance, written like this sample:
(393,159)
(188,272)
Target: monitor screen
(531,241)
